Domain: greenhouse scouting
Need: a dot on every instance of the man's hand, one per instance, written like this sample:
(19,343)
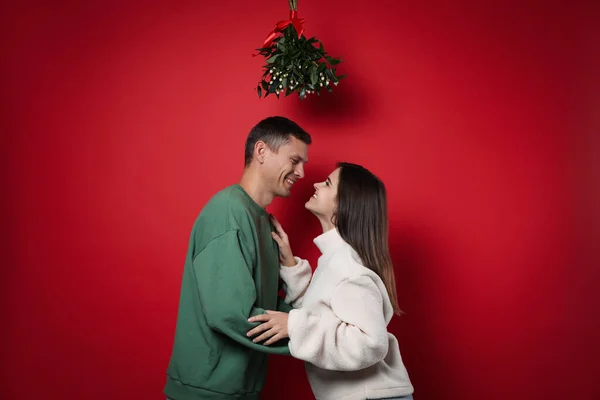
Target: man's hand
(285,251)
(273,325)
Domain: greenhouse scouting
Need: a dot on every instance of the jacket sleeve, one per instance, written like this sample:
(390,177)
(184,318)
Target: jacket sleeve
(295,281)
(350,335)
(227,291)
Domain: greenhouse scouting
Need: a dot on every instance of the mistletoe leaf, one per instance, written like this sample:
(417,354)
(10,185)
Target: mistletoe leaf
(313,77)
(272,59)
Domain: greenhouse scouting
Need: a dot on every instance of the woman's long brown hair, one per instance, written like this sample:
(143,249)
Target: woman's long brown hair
(362,220)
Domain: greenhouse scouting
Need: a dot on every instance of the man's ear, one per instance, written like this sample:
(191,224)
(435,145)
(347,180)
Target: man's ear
(260,151)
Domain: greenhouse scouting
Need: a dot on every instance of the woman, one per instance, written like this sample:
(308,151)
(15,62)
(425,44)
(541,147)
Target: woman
(339,324)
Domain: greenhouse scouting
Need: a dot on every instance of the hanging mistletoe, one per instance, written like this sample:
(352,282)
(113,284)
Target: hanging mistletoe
(295,63)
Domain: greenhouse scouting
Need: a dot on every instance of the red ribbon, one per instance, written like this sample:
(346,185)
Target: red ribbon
(297,23)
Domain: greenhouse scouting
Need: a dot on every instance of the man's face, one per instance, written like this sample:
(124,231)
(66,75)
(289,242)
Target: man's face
(283,168)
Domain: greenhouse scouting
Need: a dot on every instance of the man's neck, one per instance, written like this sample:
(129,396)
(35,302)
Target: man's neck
(252,183)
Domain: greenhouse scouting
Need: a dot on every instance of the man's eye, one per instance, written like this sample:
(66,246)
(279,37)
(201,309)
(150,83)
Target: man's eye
(295,161)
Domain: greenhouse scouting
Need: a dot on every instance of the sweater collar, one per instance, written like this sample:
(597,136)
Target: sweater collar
(329,241)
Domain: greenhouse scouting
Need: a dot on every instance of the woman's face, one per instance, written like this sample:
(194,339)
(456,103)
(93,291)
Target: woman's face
(323,201)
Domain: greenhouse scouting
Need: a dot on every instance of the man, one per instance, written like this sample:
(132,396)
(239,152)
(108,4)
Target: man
(232,273)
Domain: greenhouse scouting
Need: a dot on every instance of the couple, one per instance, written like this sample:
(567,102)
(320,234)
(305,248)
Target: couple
(230,315)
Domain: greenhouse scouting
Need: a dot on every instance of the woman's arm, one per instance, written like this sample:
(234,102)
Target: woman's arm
(295,272)
(349,336)
(296,280)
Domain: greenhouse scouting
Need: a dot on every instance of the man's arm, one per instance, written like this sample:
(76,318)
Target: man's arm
(283,306)
(227,291)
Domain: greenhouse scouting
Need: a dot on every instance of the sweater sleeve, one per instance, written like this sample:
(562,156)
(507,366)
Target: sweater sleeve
(227,291)
(350,335)
(295,281)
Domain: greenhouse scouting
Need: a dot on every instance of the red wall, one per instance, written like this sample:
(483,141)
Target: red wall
(120,119)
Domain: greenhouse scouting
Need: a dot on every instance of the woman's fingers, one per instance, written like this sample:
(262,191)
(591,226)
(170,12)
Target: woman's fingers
(277,238)
(278,226)
(273,339)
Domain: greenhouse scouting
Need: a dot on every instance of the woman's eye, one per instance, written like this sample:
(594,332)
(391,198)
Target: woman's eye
(326,183)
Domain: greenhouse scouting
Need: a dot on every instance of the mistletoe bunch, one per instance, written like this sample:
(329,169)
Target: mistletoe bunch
(295,63)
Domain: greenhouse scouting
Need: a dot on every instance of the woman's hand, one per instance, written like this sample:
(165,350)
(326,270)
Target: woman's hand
(285,251)
(273,324)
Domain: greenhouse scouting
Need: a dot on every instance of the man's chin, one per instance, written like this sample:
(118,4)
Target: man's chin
(285,193)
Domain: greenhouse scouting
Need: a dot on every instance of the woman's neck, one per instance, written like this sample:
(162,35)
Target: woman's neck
(326,224)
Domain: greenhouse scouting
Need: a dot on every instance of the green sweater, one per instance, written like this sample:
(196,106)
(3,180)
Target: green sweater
(231,273)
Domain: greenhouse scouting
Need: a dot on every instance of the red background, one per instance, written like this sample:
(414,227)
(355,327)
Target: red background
(120,119)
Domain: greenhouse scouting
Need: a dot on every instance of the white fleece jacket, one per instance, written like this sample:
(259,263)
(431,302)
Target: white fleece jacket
(339,326)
